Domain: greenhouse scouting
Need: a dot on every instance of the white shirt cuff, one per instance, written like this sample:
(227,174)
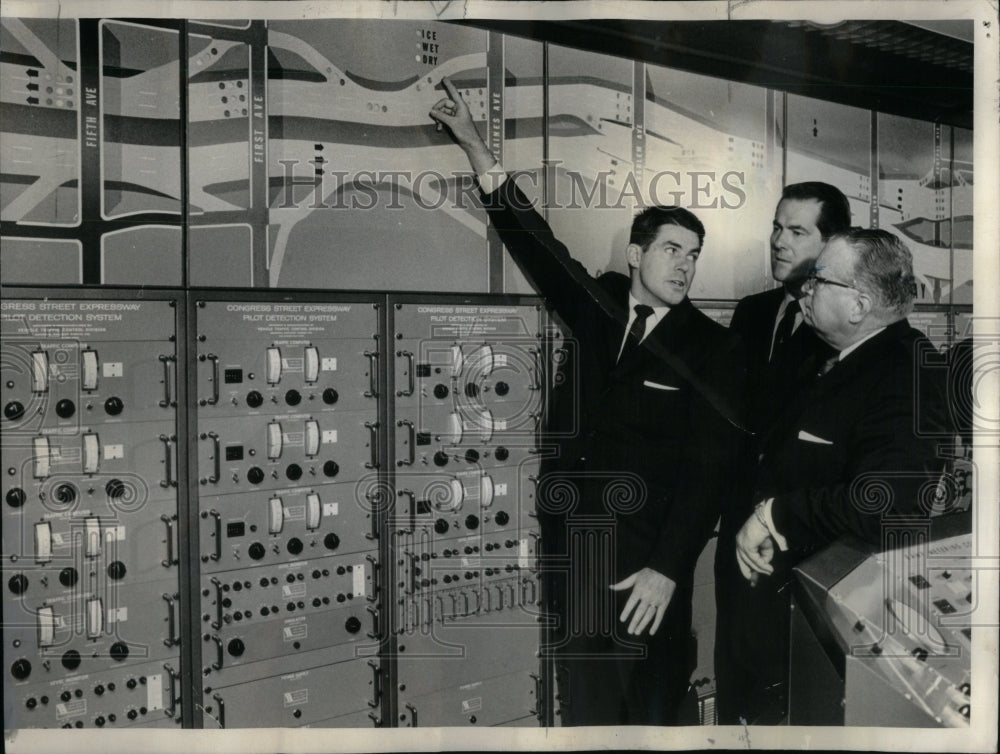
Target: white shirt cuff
(492,179)
(780,540)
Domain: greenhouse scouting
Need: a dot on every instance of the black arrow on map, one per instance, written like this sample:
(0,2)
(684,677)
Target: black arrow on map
(32,73)
(32,100)
(32,87)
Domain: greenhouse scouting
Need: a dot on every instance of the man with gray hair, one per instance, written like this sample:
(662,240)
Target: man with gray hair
(845,454)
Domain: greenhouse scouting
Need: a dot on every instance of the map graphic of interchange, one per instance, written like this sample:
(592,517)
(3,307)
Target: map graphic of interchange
(311,162)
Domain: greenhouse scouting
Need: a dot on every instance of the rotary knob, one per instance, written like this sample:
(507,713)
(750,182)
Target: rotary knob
(65,408)
(18,584)
(236,647)
(254,399)
(332,541)
(114,405)
(13,410)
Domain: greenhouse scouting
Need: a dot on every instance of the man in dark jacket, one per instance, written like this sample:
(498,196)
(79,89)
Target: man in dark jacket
(645,447)
(783,355)
(847,454)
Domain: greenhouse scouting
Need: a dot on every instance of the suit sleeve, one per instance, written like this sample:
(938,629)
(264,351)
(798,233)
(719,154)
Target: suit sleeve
(711,476)
(546,261)
(892,470)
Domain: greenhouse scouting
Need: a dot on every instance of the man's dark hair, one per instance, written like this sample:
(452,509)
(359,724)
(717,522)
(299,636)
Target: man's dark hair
(646,225)
(884,268)
(834,209)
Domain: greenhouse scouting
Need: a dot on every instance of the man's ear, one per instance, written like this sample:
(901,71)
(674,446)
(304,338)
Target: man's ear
(863,306)
(633,253)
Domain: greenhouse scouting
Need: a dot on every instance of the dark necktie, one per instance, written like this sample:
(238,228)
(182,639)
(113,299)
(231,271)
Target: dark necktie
(636,331)
(784,332)
(829,363)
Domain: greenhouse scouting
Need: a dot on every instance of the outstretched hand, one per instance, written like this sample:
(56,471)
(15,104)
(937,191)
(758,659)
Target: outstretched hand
(651,595)
(454,113)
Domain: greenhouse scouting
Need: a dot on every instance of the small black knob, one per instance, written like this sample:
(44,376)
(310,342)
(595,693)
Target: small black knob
(472,521)
(440,458)
(116,570)
(441,526)
(132,714)
(502,518)
(294,545)
(68,576)
(99,722)
(131,683)
(501,388)
(65,696)
(21,669)
(440,391)
(18,584)
(331,468)
(256,551)
(472,455)
(297,713)
(119,651)
(293,397)
(13,410)
(330,396)
(65,408)
(31,703)
(294,471)
(236,647)
(71,661)
(255,475)
(352,625)
(254,399)
(115,488)
(15,497)
(114,405)
(332,541)
(501,453)
(99,690)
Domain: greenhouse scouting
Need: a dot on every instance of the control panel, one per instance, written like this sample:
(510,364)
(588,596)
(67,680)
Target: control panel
(91,605)
(467,404)
(289,456)
(902,619)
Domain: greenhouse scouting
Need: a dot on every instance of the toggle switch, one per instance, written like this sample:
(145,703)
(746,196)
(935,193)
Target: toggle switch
(312,438)
(92,536)
(43,542)
(41,459)
(46,626)
(88,365)
(311,364)
(95,618)
(314,511)
(91,453)
(274,440)
(39,372)
(272,366)
(275,515)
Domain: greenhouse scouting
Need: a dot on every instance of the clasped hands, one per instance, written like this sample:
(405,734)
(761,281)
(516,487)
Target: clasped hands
(648,602)
(754,549)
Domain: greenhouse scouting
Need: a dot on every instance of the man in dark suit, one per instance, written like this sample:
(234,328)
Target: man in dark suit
(783,355)
(644,442)
(845,455)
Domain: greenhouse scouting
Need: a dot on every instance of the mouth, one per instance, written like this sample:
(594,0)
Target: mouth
(678,283)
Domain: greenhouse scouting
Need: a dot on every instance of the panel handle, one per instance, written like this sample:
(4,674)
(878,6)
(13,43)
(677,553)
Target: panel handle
(373,563)
(411,378)
(372,391)
(373,430)
(413,713)
(166,360)
(172,693)
(376,631)
(168,460)
(220,654)
(376,685)
(412,431)
(217,623)
(215,379)
(172,640)
(216,456)
(222,710)
(170,560)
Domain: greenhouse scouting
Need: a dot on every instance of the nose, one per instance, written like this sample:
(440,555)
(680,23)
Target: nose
(683,264)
